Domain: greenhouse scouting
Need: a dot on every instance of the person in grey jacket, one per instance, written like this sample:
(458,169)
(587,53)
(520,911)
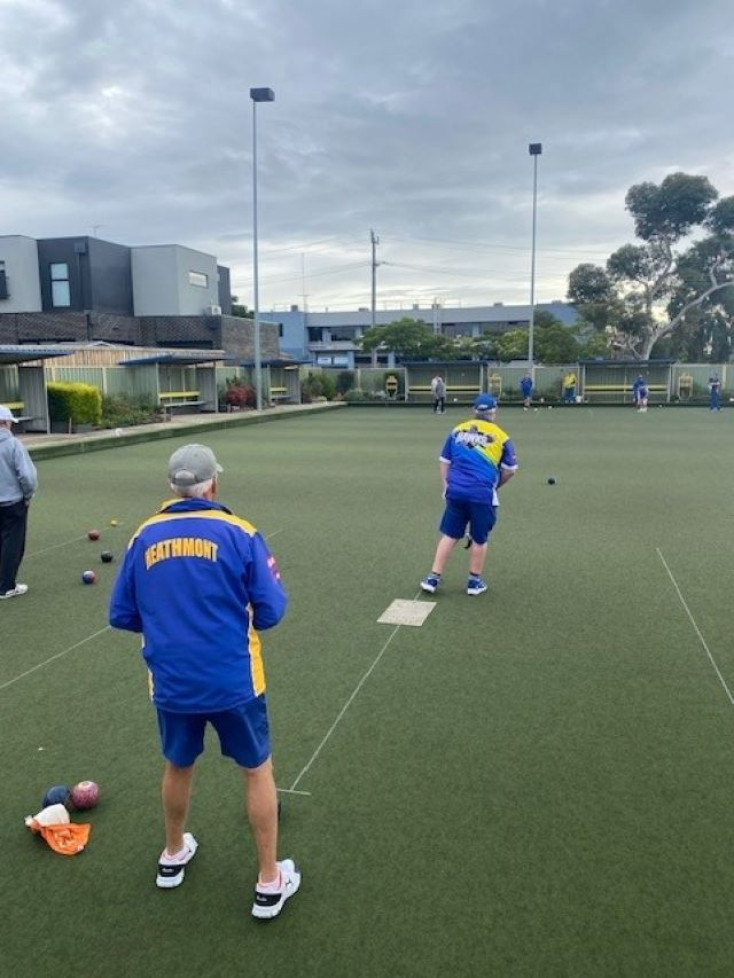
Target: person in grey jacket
(18,483)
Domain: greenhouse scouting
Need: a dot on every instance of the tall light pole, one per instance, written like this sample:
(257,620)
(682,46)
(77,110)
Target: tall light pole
(257,95)
(374,240)
(535,150)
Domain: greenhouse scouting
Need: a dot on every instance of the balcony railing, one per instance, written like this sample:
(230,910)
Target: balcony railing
(321,346)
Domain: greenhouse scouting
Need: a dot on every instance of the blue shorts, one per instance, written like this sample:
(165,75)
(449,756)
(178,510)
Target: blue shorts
(460,513)
(243,732)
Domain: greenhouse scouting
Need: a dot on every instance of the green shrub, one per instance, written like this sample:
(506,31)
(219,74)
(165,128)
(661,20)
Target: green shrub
(355,394)
(344,381)
(124,410)
(77,403)
(329,387)
(311,388)
(317,386)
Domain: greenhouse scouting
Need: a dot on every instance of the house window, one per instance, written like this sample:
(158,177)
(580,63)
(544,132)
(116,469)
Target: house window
(199,279)
(344,333)
(60,292)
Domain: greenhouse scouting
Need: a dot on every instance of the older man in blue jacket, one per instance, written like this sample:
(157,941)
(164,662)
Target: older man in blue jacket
(18,483)
(199,583)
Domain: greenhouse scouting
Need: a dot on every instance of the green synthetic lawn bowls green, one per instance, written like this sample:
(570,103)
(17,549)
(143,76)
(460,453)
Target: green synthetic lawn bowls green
(535,782)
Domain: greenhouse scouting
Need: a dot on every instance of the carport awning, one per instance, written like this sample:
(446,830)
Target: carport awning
(175,359)
(27,354)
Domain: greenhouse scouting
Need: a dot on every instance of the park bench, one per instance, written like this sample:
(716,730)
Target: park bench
(20,419)
(622,389)
(279,394)
(182,401)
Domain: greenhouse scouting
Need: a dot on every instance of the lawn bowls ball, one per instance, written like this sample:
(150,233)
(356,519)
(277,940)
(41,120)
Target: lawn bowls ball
(106,556)
(84,795)
(58,794)
(93,535)
(88,577)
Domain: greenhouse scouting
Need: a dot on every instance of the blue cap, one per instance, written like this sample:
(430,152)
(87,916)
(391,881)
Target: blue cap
(485,402)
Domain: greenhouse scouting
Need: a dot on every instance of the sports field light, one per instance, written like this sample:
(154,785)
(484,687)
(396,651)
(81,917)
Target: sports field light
(535,150)
(257,95)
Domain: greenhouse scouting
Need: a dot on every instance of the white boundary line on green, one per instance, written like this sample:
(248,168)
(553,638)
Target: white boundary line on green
(58,655)
(349,702)
(696,629)
(56,546)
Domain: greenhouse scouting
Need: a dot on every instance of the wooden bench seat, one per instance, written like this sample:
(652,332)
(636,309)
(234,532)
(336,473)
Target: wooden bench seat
(172,400)
(622,388)
(450,389)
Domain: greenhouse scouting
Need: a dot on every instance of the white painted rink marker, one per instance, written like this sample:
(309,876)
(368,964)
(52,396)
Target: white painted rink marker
(402,612)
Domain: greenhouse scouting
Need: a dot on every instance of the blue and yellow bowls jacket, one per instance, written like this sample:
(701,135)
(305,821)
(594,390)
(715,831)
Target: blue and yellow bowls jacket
(476,451)
(199,583)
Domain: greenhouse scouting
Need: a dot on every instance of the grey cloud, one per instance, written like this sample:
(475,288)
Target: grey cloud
(411,117)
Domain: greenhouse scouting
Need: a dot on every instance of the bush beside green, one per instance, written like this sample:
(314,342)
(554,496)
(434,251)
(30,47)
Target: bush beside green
(345,381)
(240,395)
(77,403)
(318,386)
(124,410)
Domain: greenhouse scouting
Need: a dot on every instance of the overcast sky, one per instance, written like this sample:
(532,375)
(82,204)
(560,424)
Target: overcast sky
(132,119)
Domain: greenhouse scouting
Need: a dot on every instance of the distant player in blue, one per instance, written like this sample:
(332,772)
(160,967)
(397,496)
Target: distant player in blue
(200,585)
(640,382)
(476,459)
(714,392)
(526,389)
(643,392)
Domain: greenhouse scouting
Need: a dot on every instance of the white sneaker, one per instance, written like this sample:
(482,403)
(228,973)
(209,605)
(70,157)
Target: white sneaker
(171,869)
(14,592)
(269,903)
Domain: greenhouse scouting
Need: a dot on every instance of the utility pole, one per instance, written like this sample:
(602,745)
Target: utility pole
(536,150)
(375,241)
(304,294)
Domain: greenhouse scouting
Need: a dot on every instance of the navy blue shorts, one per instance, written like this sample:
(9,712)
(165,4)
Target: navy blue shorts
(244,734)
(460,513)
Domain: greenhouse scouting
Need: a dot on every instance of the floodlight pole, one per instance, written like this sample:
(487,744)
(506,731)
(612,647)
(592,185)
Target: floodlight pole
(535,150)
(257,95)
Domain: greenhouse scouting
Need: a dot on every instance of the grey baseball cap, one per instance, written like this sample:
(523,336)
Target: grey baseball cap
(192,464)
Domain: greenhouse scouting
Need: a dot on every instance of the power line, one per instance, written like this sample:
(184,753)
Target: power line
(497,247)
(520,276)
(309,244)
(327,271)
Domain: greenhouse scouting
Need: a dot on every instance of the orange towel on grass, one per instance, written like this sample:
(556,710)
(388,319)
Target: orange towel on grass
(62,835)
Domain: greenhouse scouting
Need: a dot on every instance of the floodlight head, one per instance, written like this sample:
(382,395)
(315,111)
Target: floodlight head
(262,95)
(535,149)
